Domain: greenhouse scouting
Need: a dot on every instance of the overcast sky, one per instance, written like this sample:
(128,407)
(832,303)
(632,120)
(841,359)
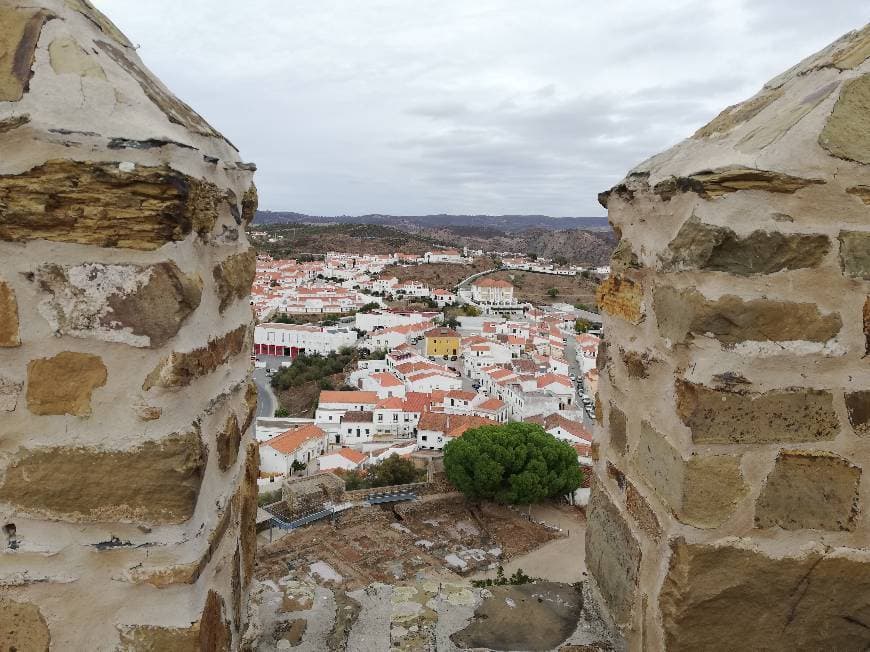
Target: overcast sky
(465,106)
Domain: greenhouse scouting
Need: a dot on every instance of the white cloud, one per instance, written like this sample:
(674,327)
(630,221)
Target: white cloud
(492,106)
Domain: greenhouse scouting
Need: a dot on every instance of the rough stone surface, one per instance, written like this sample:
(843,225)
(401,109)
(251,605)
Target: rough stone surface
(67,57)
(140,306)
(228,441)
(181,369)
(64,384)
(161,481)
(855,254)
(248,514)
(10,390)
(866,319)
(621,297)
(20,28)
(847,132)
(717,183)
(701,491)
(234,276)
(735,417)
(106,205)
(618,429)
(214,628)
(717,596)
(858,407)
(720,249)
(807,489)
(9,336)
(642,513)
(22,627)
(637,364)
(117,202)
(153,638)
(613,555)
(731,319)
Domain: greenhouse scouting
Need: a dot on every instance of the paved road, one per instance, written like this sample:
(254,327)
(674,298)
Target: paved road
(266,400)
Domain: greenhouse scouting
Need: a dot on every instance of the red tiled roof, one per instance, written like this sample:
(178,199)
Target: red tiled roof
(491,405)
(488,282)
(392,403)
(385,379)
(356,397)
(290,440)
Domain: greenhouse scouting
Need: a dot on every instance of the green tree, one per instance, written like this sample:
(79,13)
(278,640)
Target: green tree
(552,293)
(582,326)
(394,470)
(298,466)
(470,311)
(533,256)
(560,261)
(371,305)
(517,463)
(282,412)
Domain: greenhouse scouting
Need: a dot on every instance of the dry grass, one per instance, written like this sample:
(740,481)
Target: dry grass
(533,287)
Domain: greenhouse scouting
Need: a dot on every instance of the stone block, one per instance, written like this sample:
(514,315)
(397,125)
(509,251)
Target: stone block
(228,441)
(161,481)
(855,254)
(10,390)
(722,597)
(104,205)
(858,407)
(214,628)
(866,318)
(613,555)
(702,491)
(153,638)
(809,490)
(9,336)
(737,114)
(22,627)
(142,306)
(731,320)
(719,416)
(637,364)
(248,493)
(249,204)
(64,384)
(618,429)
(644,515)
(234,276)
(179,369)
(699,246)
(717,183)
(20,28)
(68,58)
(621,297)
(847,132)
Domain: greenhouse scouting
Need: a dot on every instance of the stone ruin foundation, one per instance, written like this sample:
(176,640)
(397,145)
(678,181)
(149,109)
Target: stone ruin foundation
(127,474)
(730,503)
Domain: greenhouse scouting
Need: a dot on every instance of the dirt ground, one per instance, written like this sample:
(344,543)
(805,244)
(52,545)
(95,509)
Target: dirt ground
(438,275)
(394,543)
(562,559)
(503,619)
(533,286)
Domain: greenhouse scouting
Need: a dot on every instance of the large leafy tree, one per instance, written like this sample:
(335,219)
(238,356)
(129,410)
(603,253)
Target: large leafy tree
(518,463)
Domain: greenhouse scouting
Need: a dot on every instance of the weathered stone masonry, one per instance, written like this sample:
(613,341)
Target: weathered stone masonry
(127,470)
(730,507)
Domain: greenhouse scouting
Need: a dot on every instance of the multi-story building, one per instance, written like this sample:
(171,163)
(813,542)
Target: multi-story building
(442,342)
(292,340)
(492,291)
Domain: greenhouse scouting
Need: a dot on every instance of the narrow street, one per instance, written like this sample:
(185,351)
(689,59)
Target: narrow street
(267,402)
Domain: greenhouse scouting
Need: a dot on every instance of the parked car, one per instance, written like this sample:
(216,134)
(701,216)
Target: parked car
(572,376)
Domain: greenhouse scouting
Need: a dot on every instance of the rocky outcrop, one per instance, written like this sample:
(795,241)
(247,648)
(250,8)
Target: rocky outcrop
(126,466)
(733,406)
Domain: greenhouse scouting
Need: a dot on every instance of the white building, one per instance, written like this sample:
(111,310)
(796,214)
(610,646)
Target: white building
(301,445)
(444,256)
(378,319)
(333,405)
(491,291)
(341,459)
(292,340)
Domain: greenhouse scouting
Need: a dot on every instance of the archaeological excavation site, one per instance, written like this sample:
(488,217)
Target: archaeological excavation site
(727,507)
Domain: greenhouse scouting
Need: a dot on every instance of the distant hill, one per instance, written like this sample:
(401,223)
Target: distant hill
(584,240)
(506,223)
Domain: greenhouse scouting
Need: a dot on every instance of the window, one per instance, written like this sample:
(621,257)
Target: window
(380,417)
(424,438)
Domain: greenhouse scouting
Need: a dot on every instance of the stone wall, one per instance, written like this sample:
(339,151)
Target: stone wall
(127,472)
(730,505)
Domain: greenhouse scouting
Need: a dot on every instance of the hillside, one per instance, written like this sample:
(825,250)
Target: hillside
(505,223)
(574,245)
(299,240)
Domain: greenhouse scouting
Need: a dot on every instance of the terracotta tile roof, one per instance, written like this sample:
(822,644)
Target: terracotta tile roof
(350,454)
(392,403)
(441,331)
(551,378)
(358,416)
(328,396)
(568,425)
(461,395)
(417,402)
(491,405)
(385,379)
(452,425)
(290,440)
(487,282)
